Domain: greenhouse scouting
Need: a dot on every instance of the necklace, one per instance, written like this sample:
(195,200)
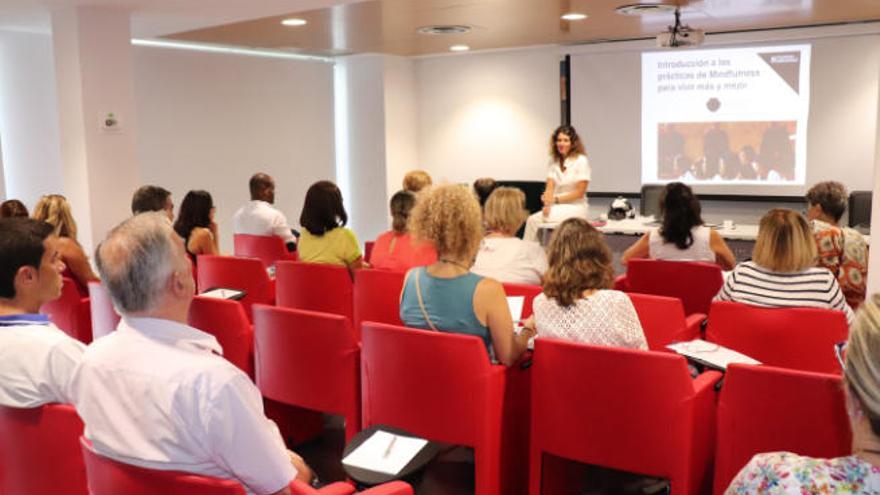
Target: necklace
(453,262)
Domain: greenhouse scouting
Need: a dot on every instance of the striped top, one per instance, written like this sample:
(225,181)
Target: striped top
(812,288)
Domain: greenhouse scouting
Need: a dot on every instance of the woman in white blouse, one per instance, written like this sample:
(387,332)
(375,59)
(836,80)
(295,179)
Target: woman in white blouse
(568,175)
(577,303)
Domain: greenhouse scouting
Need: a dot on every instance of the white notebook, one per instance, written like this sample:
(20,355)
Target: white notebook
(515,304)
(385,452)
(711,354)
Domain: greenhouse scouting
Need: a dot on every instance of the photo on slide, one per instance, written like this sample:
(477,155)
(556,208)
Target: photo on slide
(727,152)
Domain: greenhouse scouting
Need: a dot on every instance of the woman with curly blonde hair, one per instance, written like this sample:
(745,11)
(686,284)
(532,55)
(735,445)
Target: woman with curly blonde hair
(445,296)
(55,210)
(577,303)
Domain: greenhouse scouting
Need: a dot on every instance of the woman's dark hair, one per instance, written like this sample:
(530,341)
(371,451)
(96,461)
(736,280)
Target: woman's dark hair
(401,204)
(12,208)
(323,210)
(195,211)
(577,147)
(680,210)
(483,187)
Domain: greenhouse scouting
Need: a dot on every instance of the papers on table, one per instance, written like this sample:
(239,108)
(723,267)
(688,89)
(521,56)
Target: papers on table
(710,354)
(515,303)
(233,294)
(385,452)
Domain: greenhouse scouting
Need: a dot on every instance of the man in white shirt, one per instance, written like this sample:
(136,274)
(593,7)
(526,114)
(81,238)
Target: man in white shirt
(259,217)
(157,393)
(36,358)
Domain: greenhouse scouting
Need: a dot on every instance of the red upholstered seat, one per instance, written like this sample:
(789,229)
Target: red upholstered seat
(663,320)
(71,312)
(266,248)
(315,287)
(377,297)
(527,291)
(104,316)
(39,451)
(227,321)
(308,359)
(695,283)
(229,272)
(393,488)
(798,338)
(767,409)
(636,411)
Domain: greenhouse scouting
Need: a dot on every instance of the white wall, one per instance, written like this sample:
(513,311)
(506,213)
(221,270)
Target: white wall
(401,121)
(209,121)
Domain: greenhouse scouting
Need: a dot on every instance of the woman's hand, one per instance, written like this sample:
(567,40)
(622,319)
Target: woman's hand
(546,211)
(547,198)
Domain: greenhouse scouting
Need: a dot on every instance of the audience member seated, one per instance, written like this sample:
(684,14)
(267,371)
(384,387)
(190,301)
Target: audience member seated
(12,208)
(259,217)
(36,358)
(483,187)
(502,255)
(157,393)
(578,303)
(682,235)
(55,210)
(841,250)
(396,250)
(781,273)
(416,180)
(325,238)
(152,198)
(195,224)
(859,473)
(446,296)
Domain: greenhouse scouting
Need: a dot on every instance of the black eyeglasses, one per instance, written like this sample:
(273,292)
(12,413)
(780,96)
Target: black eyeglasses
(840,352)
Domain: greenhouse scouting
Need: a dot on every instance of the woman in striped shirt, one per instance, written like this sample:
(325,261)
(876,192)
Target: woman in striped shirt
(782,271)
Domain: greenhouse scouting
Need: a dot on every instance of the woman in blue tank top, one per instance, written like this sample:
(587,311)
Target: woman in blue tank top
(445,296)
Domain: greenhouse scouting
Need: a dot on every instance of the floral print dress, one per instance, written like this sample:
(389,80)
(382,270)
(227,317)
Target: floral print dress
(844,252)
(781,473)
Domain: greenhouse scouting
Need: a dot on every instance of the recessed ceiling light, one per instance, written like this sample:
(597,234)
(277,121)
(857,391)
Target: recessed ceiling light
(459,48)
(444,29)
(294,22)
(574,16)
(636,9)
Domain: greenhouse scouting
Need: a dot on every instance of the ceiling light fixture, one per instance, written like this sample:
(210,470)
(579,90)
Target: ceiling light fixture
(459,48)
(574,16)
(442,29)
(293,22)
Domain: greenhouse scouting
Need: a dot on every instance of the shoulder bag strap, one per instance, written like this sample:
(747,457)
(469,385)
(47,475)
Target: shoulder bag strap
(421,302)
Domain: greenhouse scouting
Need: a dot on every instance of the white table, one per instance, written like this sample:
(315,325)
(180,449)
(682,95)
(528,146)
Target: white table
(640,225)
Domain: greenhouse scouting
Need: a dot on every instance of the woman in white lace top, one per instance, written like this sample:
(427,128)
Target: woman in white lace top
(577,303)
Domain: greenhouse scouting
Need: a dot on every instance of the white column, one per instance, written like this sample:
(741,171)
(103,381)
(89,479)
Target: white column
(874,251)
(95,77)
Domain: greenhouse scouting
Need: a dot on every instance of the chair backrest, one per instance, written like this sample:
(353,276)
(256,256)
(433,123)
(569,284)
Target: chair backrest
(695,283)
(860,209)
(104,315)
(368,249)
(432,384)
(39,451)
(649,204)
(266,248)
(614,407)
(230,272)
(377,297)
(662,319)
(71,312)
(315,287)
(767,409)
(227,321)
(109,477)
(530,292)
(308,359)
(797,338)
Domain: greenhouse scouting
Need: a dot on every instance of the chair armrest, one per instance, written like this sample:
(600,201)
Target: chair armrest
(392,488)
(693,326)
(621,284)
(705,382)
(703,439)
(299,488)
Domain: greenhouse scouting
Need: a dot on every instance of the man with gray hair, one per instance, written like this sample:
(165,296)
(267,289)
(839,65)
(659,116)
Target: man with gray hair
(156,393)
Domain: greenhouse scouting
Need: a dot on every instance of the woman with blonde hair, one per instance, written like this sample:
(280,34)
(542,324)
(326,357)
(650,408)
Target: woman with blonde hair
(787,473)
(55,210)
(416,180)
(782,272)
(445,296)
(578,303)
(502,255)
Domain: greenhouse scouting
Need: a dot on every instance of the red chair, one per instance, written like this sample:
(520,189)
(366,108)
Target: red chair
(308,359)
(71,312)
(624,409)
(440,386)
(368,249)
(104,315)
(377,297)
(798,338)
(663,320)
(227,321)
(766,409)
(392,488)
(39,451)
(267,248)
(530,292)
(695,283)
(245,274)
(315,287)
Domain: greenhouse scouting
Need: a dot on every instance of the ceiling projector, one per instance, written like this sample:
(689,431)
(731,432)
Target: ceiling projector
(680,35)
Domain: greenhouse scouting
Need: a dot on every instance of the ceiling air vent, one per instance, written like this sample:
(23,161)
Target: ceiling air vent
(645,9)
(443,29)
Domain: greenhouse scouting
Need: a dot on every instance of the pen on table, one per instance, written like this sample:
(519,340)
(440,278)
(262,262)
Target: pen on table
(390,444)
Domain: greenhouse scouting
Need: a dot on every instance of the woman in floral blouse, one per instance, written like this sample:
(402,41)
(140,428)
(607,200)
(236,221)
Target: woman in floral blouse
(841,250)
(859,473)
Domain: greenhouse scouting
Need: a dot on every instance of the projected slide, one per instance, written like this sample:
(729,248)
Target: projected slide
(726,116)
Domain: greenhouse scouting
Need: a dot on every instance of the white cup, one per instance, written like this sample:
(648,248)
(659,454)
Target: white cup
(728,225)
